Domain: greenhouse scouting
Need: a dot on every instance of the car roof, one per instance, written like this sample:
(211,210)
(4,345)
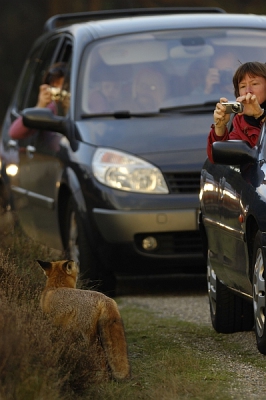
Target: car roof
(71,18)
(101,27)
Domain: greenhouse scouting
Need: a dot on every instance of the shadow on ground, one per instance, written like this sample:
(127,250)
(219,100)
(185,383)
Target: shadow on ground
(193,284)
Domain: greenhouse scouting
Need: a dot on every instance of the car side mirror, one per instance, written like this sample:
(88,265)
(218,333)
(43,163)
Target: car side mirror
(234,152)
(44,118)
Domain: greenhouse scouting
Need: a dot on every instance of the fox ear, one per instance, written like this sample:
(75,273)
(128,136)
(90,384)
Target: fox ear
(69,267)
(44,264)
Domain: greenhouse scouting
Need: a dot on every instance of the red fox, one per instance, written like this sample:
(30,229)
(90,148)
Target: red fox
(92,313)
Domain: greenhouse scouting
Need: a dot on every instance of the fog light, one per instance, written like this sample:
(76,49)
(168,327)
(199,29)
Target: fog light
(149,243)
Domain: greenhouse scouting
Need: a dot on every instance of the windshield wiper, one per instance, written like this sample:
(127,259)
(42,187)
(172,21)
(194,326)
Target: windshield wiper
(198,107)
(123,114)
(187,108)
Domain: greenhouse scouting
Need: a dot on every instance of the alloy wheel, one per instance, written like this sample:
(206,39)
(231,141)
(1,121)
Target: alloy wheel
(259,293)
(211,284)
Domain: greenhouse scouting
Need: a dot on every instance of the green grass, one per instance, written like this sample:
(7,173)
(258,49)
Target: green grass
(170,359)
(164,364)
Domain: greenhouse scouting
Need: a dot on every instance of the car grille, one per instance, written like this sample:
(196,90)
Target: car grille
(186,182)
(183,243)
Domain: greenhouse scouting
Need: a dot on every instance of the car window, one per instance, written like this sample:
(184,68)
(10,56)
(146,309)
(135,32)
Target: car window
(56,50)
(37,65)
(149,71)
(26,81)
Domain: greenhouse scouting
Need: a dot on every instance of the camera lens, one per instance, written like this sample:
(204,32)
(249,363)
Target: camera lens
(235,108)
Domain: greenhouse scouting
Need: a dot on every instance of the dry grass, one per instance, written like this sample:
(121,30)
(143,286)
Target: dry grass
(37,360)
(24,340)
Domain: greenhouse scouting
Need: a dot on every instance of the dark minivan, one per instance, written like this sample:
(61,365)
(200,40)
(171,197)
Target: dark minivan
(113,180)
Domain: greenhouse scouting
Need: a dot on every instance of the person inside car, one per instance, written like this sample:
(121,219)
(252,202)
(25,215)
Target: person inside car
(214,80)
(149,90)
(219,75)
(54,78)
(107,95)
(249,83)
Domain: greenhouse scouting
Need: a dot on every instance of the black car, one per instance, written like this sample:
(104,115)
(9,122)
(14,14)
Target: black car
(233,225)
(115,180)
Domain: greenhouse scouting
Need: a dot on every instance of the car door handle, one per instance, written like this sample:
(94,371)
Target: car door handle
(30,151)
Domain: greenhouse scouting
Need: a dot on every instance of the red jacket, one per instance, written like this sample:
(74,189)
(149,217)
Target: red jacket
(18,130)
(241,131)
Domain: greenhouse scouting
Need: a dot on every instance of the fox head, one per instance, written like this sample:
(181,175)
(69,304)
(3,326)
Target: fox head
(60,273)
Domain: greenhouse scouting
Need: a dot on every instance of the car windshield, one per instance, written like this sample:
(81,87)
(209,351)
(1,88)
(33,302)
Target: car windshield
(147,72)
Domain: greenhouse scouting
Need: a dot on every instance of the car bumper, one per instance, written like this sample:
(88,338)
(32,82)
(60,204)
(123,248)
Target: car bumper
(175,233)
(122,226)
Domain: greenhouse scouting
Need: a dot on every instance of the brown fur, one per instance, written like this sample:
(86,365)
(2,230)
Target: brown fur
(92,313)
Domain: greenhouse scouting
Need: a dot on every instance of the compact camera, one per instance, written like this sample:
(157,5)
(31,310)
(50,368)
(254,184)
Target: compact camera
(233,107)
(55,93)
(58,94)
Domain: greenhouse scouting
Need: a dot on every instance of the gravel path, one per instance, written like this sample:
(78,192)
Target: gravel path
(186,308)
(251,380)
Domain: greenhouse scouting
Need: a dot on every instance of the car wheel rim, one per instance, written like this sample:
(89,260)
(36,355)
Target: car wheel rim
(211,282)
(259,293)
(73,238)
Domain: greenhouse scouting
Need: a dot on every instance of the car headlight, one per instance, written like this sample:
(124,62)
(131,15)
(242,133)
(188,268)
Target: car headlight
(126,172)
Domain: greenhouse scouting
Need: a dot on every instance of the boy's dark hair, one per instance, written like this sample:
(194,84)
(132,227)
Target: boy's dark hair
(55,72)
(252,69)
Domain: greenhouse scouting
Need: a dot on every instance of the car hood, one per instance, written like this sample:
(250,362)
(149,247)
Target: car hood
(166,140)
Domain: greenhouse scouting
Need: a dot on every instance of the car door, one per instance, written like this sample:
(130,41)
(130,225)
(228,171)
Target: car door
(35,185)
(238,195)
(212,181)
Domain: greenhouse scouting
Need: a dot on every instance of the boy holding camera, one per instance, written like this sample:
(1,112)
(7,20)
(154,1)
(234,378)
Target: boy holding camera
(53,81)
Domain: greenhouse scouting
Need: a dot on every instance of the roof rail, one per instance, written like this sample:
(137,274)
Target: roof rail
(65,19)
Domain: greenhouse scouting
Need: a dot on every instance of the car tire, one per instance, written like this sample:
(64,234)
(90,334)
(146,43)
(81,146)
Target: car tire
(229,312)
(259,293)
(80,249)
